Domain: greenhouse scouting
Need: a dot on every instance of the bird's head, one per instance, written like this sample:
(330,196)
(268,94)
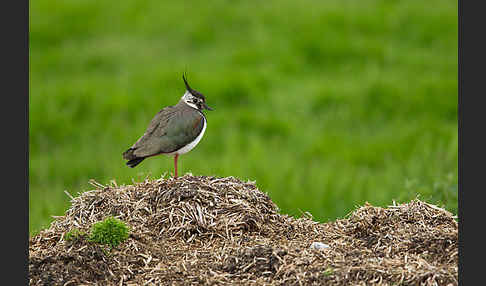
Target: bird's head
(194,98)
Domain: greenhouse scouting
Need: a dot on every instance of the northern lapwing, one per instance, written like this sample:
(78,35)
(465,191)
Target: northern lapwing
(173,131)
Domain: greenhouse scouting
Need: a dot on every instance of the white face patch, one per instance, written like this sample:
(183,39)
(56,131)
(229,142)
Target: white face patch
(188,98)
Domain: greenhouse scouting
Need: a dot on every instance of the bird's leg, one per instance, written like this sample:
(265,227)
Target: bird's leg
(175,165)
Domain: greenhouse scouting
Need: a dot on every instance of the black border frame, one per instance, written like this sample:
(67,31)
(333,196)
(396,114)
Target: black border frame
(14,20)
(471,156)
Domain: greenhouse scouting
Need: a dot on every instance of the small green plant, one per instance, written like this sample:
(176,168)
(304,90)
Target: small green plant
(328,271)
(73,234)
(110,231)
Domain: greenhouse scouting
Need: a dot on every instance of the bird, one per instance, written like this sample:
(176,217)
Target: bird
(174,130)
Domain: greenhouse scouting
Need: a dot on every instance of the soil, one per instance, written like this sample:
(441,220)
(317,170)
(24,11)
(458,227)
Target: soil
(199,230)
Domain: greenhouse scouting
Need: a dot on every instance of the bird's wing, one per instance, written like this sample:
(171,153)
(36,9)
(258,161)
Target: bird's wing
(170,130)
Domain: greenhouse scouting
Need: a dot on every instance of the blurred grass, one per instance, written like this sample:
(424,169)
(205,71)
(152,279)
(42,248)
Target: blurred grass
(325,104)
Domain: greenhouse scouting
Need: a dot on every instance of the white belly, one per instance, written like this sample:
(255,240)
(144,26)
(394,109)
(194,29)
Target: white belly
(191,145)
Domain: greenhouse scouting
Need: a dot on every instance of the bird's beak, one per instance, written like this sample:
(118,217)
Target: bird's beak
(206,106)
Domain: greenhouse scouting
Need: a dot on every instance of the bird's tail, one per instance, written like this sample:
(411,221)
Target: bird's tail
(133,159)
(134,162)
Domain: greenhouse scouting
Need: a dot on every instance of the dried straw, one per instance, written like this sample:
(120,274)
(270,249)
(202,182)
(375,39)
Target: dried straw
(222,231)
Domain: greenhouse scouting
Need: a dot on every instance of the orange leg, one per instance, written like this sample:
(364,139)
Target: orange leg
(175,165)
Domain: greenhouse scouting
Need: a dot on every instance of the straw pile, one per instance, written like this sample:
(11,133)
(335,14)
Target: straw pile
(222,231)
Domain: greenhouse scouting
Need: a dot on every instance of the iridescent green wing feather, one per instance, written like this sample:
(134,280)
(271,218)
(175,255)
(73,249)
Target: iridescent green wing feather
(171,129)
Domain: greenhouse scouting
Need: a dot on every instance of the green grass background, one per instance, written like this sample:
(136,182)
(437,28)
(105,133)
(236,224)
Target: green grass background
(325,104)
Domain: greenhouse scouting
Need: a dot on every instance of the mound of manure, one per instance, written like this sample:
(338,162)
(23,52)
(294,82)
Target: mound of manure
(222,231)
